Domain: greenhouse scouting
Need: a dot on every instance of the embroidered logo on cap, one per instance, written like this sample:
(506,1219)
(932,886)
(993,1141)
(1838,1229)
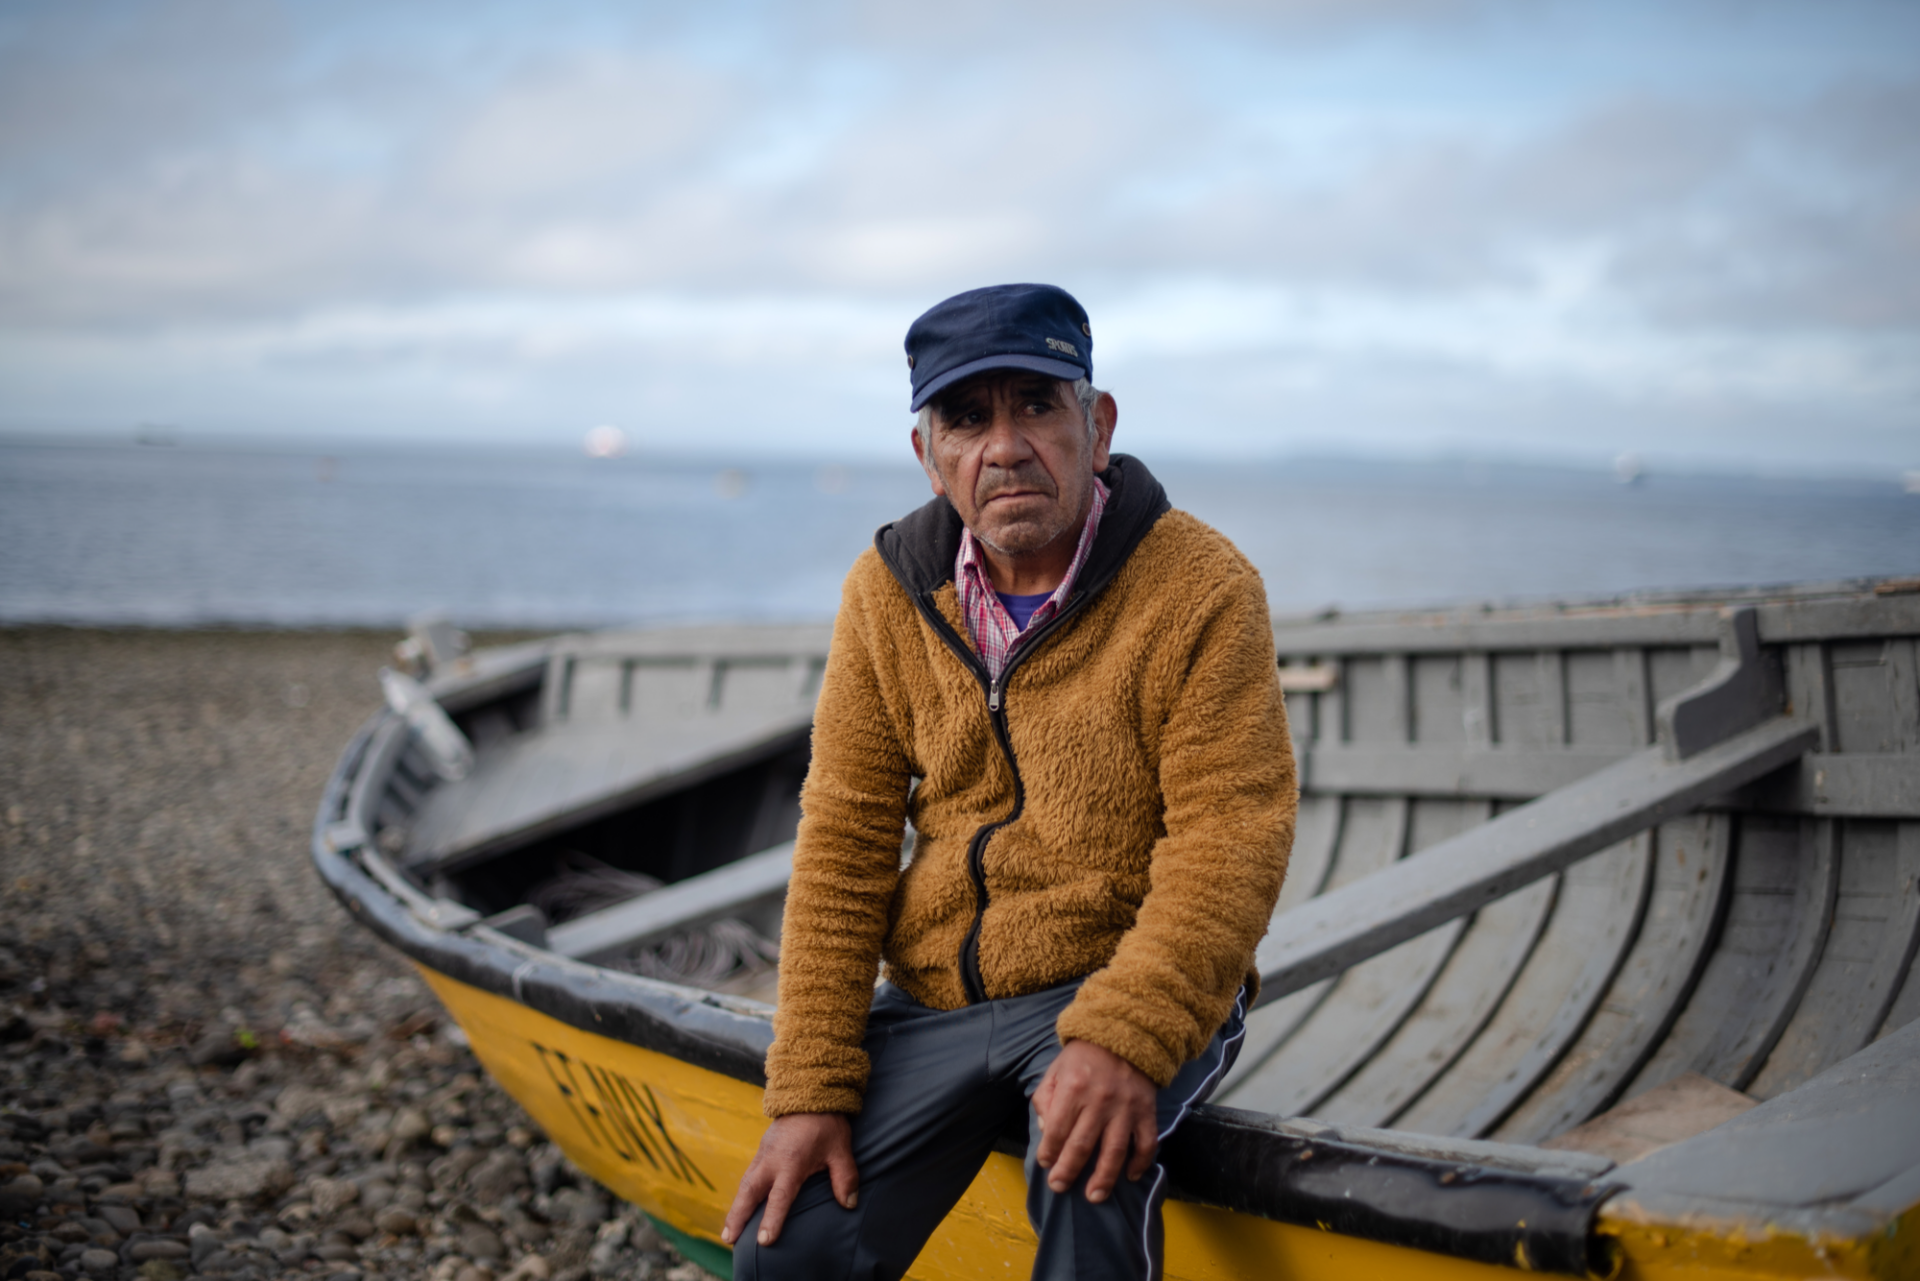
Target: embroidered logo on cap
(1061,345)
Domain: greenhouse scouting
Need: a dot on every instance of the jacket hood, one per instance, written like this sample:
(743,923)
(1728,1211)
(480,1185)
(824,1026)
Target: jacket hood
(920,547)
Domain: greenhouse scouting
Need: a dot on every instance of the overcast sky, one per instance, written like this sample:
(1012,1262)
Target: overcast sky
(1686,230)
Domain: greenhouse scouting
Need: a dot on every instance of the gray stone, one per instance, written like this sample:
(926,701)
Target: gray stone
(330,1196)
(396,1222)
(298,1250)
(578,1207)
(122,1219)
(499,1176)
(479,1241)
(218,1048)
(528,1230)
(410,1125)
(272,1147)
(203,1243)
(298,1102)
(141,1251)
(449,1169)
(98,1260)
(356,1224)
(240,1179)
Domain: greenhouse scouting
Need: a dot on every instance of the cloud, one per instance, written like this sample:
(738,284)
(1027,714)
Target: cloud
(1819,229)
(1490,205)
(587,126)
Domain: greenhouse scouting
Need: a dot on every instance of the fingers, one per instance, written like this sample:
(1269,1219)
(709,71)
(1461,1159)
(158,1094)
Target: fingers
(1112,1155)
(1081,1142)
(1044,1102)
(1070,1108)
(844,1177)
(1043,1097)
(1091,1105)
(779,1201)
(1146,1144)
(753,1190)
(793,1148)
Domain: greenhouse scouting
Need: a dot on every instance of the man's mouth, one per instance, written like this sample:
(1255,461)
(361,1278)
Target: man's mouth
(1000,494)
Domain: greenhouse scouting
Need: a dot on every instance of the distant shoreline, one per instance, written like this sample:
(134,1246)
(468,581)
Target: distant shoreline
(197,539)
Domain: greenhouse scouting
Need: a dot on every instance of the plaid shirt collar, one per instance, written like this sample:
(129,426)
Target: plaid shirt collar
(988,624)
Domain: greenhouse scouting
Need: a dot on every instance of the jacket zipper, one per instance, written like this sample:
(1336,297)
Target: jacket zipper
(970,977)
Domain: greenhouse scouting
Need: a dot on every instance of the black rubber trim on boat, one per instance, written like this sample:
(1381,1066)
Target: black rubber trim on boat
(1240,1161)
(1243,1161)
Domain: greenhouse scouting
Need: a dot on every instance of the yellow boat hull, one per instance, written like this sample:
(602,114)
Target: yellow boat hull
(674,1139)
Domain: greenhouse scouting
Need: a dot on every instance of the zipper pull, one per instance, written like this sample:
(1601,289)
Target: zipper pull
(993,696)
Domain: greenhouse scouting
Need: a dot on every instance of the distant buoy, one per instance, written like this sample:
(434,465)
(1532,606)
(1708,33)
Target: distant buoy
(606,442)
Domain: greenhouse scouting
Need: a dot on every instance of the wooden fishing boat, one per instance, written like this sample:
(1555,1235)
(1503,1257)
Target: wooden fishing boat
(1595,956)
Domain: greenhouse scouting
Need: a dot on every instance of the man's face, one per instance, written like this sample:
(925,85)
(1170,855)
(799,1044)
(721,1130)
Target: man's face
(1011,451)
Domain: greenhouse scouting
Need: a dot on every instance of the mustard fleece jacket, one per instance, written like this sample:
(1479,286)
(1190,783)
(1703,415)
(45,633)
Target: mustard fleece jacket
(1125,814)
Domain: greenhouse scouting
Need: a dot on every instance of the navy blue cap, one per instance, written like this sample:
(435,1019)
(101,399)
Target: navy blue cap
(1037,327)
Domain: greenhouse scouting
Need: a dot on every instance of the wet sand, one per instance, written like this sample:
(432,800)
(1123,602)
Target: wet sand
(205,1068)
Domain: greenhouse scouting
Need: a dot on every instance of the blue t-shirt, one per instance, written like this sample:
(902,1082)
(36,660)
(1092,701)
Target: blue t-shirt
(1020,608)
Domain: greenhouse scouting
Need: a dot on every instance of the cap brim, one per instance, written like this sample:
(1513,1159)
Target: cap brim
(1038,364)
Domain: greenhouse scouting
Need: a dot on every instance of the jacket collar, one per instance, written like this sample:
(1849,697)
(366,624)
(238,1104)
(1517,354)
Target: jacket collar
(920,547)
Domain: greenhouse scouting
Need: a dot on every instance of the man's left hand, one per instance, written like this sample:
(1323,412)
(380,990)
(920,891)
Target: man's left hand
(1093,1101)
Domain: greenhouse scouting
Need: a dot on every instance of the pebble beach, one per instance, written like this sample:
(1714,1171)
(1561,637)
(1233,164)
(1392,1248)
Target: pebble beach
(205,1068)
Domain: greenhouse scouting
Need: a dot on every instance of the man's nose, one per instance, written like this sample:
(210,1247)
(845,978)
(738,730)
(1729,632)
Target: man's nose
(1006,444)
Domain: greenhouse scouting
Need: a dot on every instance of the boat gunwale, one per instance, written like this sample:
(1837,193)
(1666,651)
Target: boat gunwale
(1851,609)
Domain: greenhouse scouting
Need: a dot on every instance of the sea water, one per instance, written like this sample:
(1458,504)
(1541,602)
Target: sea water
(528,538)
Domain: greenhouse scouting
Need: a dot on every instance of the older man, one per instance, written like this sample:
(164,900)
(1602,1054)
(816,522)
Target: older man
(1069,689)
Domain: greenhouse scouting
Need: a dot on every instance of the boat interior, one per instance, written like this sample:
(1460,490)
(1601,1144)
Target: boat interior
(1673,845)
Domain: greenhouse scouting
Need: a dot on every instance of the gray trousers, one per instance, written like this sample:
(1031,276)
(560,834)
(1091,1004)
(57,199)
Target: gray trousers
(944,1086)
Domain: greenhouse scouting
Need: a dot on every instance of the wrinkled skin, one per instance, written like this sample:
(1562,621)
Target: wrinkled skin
(1013,454)
(1092,1105)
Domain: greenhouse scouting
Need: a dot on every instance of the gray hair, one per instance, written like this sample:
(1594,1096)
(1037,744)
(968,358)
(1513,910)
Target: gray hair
(1083,391)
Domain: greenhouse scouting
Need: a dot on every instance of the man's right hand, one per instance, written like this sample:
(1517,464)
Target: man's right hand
(794,1148)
